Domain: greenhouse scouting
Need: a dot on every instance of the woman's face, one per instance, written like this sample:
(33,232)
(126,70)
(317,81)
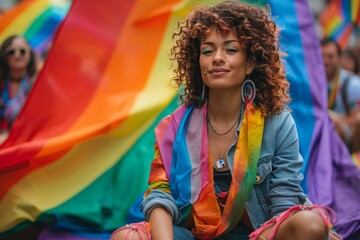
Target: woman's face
(18,54)
(223,60)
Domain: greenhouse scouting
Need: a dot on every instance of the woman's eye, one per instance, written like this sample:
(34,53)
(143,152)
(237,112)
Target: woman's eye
(206,51)
(231,49)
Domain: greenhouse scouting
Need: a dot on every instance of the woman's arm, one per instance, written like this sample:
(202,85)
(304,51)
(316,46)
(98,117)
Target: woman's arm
(161,224)
(158,205)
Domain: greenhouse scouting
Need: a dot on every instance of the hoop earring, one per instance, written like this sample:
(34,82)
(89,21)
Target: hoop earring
(203,93)
(248,90)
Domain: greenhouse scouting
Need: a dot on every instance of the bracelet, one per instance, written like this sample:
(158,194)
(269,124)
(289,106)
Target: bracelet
(261,238)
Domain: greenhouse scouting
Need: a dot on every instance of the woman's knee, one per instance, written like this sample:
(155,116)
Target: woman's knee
(137,231)
(120,235)
(303,225)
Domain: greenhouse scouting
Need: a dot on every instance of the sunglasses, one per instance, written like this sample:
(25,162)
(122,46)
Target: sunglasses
(11,52)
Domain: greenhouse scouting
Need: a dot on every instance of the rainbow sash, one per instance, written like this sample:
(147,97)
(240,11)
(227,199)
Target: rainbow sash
(183,146)
(332,92)
(356,158)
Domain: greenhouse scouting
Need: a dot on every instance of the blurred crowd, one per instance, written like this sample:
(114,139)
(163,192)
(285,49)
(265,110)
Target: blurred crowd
(342,73)
(342,64)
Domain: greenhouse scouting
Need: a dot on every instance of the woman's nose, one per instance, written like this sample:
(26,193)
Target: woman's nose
(218,57)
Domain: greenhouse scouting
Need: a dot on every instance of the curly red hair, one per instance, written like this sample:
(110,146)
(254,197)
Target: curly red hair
(259,35)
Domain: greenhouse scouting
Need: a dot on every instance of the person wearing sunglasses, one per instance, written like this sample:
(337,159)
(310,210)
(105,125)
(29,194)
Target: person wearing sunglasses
(18,67)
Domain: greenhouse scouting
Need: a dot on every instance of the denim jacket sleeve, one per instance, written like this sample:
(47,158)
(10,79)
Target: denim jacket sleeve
(158,198)
(158,193)
(285,177)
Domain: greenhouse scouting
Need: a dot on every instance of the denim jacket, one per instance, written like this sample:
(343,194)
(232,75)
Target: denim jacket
(277,185)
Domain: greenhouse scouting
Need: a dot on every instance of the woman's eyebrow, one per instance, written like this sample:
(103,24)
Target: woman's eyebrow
(225,42)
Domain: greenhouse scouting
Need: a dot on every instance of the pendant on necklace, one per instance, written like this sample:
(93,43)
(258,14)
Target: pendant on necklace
(220,163)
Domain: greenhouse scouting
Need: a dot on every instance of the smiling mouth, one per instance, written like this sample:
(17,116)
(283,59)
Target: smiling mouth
(218,71)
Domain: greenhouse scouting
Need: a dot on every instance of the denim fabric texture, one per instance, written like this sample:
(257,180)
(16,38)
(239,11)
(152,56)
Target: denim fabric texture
(239,233)
(277,185)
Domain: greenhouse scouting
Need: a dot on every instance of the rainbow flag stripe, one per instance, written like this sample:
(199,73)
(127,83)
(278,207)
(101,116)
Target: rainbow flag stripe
(94,113)
(37,20)
(84,160)
(340,19)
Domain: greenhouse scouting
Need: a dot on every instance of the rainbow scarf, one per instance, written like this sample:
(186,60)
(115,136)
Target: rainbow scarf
(183,144)
(333,91)
(14,104)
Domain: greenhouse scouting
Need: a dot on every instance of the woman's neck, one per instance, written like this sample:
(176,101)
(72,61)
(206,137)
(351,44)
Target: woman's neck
(224,107)
(17,74)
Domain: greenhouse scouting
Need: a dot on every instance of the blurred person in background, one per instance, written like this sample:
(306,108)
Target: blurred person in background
(18,67)
(355,49)
(343,95)
(349,61)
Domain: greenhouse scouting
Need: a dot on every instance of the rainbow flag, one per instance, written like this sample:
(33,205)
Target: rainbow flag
(331,178)
(37,20)
(78,155)
(341,20)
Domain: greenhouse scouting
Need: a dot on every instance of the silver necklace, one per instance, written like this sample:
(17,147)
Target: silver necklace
(224,133)
(220,164)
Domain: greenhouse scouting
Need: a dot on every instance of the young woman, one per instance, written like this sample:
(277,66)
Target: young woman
(227,162)
(17,70)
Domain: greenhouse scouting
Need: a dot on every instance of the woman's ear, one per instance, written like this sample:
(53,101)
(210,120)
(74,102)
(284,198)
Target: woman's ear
(250,66)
